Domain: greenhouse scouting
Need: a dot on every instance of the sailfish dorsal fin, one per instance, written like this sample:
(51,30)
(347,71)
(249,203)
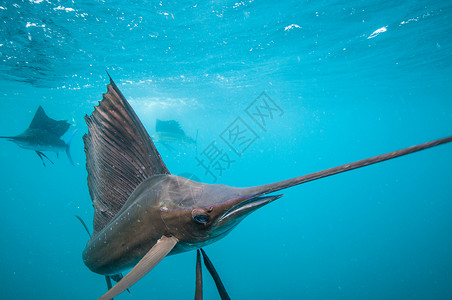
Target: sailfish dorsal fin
(42,122)
(119,155)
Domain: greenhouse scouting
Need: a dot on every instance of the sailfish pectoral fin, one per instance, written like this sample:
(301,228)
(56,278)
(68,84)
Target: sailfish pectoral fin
(220,287)
(149,261)
(117,278)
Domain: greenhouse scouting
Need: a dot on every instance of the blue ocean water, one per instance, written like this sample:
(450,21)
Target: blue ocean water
(347,80)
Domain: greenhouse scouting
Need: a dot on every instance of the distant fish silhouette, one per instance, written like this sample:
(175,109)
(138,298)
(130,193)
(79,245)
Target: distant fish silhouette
(170,131)
(44,134)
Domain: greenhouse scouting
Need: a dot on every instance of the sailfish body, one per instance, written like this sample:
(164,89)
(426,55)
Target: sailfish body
(143,213)
(43,134)
(157,207)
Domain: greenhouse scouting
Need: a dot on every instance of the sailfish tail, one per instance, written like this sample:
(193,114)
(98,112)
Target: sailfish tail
(68,147)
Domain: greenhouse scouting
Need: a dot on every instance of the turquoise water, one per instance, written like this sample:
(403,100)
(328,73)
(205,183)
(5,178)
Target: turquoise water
(351,80)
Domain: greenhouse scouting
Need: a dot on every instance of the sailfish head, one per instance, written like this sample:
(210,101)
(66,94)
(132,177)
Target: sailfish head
(198,214)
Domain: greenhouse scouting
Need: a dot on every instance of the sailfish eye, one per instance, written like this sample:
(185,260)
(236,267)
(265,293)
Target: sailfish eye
(200,216)
(201,219)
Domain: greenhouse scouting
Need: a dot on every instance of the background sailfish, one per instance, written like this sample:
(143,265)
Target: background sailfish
(44,134)
(170,131)
(142,213)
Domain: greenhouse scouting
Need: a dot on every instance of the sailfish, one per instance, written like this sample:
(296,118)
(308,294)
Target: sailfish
(171,131)
(143,213)
(44,134)
(166,131)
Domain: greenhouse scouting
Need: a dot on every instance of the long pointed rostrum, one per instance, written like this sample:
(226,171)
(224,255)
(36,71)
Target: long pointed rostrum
(276,186)
(220,287)
(198,290)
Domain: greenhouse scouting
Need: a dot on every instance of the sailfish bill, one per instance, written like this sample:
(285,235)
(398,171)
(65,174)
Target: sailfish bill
(142,213)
